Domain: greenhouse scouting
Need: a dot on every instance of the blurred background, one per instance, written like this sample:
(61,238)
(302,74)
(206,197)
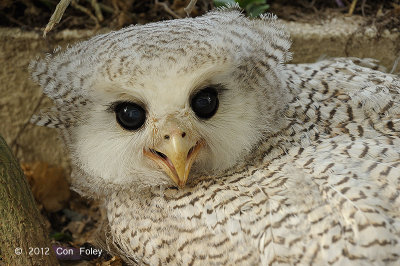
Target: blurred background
(319,28)
(114,14)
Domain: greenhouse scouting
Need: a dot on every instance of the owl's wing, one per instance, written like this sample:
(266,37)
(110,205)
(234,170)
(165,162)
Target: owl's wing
(348,195)
(344,95)
(341,170)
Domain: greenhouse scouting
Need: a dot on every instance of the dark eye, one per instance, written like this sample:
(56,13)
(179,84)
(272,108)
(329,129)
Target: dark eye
(130,115)
(205,103)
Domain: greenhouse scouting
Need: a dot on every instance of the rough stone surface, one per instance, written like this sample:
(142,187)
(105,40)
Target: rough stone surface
(342,36)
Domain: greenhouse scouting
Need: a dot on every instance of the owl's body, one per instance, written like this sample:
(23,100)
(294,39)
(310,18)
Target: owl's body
(301,163)
(325,190)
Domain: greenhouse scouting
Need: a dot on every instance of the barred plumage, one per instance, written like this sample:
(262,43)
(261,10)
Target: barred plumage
(301,163)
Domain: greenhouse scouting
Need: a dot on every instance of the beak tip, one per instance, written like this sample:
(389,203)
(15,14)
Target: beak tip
(181,184)
(177,165)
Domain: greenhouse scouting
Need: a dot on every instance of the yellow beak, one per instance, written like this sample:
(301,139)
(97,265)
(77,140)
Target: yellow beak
(175,155)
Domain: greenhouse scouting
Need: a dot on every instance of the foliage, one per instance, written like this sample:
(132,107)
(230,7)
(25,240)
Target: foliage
(253,8)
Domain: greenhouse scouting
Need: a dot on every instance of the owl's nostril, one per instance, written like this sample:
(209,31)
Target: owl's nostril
(166,137)
(183,134)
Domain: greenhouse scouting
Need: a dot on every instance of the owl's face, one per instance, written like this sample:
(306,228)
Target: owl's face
(167,102)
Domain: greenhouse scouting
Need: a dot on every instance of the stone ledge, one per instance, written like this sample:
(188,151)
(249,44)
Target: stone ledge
(341,36)
(19,34)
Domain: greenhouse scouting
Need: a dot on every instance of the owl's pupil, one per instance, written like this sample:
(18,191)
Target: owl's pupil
(130,115)
(205,103)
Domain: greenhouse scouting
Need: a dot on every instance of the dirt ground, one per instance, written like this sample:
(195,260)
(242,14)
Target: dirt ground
(74,222)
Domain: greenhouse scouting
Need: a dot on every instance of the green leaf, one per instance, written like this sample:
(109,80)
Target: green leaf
(63,237)
(221,3)
(255,11)
(245,3)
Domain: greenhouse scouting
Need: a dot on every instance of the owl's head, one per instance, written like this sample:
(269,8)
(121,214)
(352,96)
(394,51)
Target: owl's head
(162,103)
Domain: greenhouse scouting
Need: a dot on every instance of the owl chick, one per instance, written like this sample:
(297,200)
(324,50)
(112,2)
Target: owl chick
(207,149)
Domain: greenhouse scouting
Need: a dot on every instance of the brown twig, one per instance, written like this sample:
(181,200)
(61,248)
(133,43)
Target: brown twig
(97,10)
(115,6)
(309,5)
(22,129)
(395,64)
(190,7)
(106,8)
(57,15)
(14,21)
(363,7)
(379,13)
(83,9)
(352,7)
(167,9)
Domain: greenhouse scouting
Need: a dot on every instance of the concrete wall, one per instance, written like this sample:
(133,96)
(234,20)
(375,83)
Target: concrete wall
(342,36)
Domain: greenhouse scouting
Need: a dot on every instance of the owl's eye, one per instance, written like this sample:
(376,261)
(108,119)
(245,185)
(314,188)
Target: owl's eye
(130,115)
(205,103)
